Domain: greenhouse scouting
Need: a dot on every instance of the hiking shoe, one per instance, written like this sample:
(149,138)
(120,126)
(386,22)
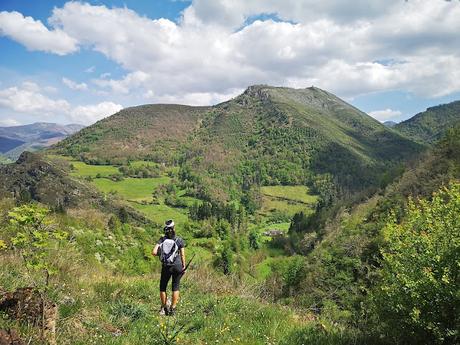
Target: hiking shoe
(172,311)
(164,311)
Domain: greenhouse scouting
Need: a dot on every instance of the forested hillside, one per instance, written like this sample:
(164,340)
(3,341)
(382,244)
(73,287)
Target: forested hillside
(266,136)
(427,127)
(355,273)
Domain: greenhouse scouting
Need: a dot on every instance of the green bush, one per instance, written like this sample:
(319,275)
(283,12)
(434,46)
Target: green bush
(418,299)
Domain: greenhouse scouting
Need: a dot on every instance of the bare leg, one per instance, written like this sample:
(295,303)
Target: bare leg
(175,298)
(163,298)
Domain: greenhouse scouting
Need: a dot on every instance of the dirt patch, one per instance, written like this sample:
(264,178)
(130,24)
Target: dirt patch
(28,305)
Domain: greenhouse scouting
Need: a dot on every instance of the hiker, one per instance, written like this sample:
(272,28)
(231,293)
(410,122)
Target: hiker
(170,249)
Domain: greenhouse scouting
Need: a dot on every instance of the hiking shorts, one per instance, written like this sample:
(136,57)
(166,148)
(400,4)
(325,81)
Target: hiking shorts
(168,271)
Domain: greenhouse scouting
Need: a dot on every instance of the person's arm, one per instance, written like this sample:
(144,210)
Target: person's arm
(155,250)
(182,257)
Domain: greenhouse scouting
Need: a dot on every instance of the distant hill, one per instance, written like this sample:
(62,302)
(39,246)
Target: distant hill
(141,131)
(265,136)
(16,139)
(390,123)
(428,126)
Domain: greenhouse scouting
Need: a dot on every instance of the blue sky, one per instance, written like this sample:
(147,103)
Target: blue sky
(78,62)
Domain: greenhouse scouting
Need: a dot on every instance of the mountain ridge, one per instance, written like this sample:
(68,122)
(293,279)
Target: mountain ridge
(31,137)
(428,126)
(266,135)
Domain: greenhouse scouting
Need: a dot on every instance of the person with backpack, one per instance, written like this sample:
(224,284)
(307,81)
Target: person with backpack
(171,250)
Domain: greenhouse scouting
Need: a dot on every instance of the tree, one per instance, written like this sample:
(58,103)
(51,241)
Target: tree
(35,236)
(300,223)
(254,239)
(226,259)
(419,294)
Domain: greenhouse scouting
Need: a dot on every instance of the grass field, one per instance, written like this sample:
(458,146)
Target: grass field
(137,189)
(286,199)
(295,193)
(132,190)
(83,169)
(159,213)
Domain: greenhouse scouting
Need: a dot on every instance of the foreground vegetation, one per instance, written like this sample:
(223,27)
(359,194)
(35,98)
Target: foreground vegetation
(101,274)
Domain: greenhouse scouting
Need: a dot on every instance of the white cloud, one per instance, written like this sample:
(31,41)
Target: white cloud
(73,85)
(90,69)
(217,47)
(28,99)
(9,122)
(385,115)
(125,85)
(91,113)
(34,35)
(234,13)
(193,98)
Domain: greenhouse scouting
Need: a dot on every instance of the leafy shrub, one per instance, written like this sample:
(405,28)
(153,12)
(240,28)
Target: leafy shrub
(35,236)
(418,298)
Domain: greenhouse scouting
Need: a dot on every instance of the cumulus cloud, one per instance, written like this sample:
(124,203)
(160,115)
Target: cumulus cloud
(193,98)
(29,99)
(220,46)
(125,85)
(34,35)
(233,14)
(385,115)
(91,113)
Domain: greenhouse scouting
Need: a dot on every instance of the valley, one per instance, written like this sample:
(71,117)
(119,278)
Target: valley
(288,200)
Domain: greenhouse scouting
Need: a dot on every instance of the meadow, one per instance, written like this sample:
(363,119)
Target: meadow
(287,200)
(131,189)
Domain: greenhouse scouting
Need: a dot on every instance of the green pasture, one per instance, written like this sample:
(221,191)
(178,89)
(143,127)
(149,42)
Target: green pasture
(286,199)
(137,189)
(83,169)
(159,213)
(294,193)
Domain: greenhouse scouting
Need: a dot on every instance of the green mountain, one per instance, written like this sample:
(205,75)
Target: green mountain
(428,126)
(16,139)
(266,136)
